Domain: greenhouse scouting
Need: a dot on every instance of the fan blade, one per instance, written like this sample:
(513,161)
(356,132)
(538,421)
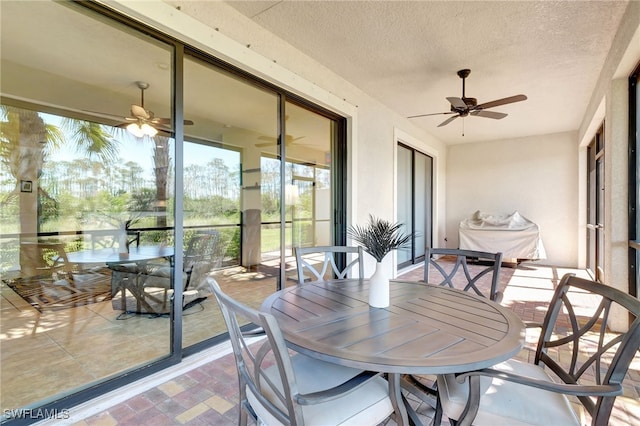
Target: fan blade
(167,121)
(435,113)
(457,103)
(448,120)
(489,114)
(261,145)
(139,112)
(503,101)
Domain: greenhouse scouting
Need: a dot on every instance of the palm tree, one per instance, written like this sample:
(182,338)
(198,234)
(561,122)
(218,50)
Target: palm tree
(25,142)
(162,162)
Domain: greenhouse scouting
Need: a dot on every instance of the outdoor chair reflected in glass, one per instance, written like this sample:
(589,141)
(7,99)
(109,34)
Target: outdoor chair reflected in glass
(147,287)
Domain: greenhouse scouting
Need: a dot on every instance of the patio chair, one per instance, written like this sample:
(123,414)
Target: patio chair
(467,270)
(153,282)
(451,267)
(283,389)
(44,260)
(579,362)
(317,260)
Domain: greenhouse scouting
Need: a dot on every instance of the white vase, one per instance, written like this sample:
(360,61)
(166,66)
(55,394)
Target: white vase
(122,242)
(379,288)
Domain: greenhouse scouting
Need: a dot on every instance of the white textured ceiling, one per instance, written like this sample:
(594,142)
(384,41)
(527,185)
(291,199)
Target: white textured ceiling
(406,54)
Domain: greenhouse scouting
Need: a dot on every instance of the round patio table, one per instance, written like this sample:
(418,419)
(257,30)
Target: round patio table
(426,329)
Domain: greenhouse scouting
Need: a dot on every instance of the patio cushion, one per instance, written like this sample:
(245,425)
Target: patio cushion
(508,403)
(372,399)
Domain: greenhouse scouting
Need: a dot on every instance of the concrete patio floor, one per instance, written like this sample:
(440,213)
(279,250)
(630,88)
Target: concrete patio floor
(202,390)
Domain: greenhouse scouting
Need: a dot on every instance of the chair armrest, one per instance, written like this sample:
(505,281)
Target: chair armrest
(567,389)
(258,331)
(337,391)
(532,324)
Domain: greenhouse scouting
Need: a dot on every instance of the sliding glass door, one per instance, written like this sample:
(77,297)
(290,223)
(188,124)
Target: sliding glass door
(114,215)
(634,183)
(83,200)
(595,205)
(415,187)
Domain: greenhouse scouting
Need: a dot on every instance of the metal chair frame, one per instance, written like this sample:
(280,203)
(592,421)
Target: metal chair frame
(278,394)
(440,260)
(319,272)
(566,324)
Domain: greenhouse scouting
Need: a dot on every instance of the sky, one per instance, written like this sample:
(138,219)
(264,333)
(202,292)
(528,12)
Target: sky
(141,151)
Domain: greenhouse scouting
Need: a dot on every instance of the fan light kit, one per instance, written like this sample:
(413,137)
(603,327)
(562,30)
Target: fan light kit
(143,123)
(465,106)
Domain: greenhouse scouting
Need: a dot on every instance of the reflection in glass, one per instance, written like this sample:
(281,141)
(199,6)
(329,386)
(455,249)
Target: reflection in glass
(231,189)
(84,203)
(308,198)
(415,188)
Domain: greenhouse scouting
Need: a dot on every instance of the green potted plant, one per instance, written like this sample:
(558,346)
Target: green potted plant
(378,238)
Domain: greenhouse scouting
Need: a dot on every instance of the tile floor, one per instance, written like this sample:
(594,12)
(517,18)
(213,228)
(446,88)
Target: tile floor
(203,389)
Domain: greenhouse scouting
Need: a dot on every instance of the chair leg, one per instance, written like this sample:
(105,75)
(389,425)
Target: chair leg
(437,416)
(245,411)
(420,390)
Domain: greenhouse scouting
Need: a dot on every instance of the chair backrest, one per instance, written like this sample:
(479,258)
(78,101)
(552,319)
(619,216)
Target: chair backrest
(252,360)
(466,270)
(202,246)
(43,259)
(203,254)
(108,238)
(320,262)
(579,318)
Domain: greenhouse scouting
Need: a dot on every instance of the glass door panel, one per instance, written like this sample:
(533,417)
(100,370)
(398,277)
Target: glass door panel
(231,194)
(308,188)
(422,228)
(415,174)
(595,206)
(85,210)
(405,198)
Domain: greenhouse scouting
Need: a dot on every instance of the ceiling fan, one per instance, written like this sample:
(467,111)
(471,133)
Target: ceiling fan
(288,140)
(274,141)
(465,106)
(143,122)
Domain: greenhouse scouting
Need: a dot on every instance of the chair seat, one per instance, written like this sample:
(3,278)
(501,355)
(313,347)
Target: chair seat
(161,277)
(508,403)
(372,399)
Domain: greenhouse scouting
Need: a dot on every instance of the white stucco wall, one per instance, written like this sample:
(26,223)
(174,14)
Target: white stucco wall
(220,30)
(609,103)
(537,176)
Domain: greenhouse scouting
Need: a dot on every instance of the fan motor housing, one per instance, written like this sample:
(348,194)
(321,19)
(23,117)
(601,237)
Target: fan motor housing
(471,102)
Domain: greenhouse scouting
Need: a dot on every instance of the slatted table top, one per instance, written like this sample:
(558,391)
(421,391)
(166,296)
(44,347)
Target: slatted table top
(111,255)
(426,329)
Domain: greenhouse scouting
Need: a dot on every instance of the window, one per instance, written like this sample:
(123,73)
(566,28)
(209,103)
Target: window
(634,183)
(99,225)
